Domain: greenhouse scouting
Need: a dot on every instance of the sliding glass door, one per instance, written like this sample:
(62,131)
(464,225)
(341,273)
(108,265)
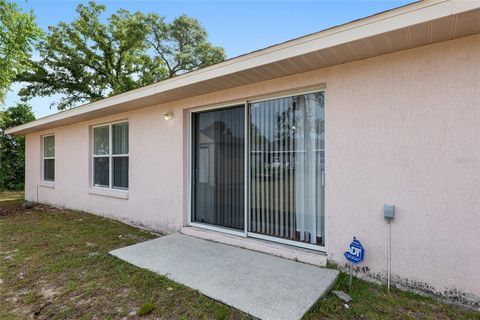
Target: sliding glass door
(218,168)
(287,168)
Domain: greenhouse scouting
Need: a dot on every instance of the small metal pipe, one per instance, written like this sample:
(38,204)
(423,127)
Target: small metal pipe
(351,276)
(389,256)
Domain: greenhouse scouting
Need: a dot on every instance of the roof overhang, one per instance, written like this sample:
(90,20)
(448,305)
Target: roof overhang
(410,26)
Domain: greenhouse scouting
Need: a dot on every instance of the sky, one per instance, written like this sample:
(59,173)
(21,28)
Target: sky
(238,26)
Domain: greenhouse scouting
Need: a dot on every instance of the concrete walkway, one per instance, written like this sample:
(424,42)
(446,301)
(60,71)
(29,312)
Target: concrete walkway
(261,285)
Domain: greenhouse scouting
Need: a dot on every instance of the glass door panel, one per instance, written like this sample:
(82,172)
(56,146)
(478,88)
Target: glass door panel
(287,168)
(218,167)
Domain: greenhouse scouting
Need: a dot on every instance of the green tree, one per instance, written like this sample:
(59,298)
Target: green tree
(12,148)
(87,60)
(18,34)
(182,45)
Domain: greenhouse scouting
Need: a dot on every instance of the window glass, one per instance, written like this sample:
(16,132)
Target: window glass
(120,172)
(287,168)
(218,164)
(49,146)
(101,140)
(49,169)
(110,156)
(120,138)
(101,166)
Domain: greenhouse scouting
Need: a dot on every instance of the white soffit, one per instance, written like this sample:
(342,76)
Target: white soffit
(414,25)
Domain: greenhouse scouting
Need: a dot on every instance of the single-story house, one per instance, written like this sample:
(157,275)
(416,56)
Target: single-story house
(296,148)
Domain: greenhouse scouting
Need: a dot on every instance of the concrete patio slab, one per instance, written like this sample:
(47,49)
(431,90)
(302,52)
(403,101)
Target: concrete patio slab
(261,285)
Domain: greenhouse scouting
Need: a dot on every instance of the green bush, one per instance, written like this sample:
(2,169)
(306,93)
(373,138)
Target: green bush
(12,148)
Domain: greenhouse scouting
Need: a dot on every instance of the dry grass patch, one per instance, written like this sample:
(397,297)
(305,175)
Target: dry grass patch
(55,264)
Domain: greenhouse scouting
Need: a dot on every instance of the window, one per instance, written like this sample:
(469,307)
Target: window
(281,144)
(218,161)
(287,168)
(110,156)
(49,158)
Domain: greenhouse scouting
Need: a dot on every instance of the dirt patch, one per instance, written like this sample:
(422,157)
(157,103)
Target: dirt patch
(15,207)
(11,203)
(49,209)
(49,292)
(6,210)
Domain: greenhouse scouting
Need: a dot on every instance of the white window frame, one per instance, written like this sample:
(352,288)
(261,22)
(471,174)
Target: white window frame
(48,158)
(110,156)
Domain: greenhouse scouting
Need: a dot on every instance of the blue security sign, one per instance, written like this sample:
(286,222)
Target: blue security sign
(355,253)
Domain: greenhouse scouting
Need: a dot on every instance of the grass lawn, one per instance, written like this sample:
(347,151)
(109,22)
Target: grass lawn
(55,264)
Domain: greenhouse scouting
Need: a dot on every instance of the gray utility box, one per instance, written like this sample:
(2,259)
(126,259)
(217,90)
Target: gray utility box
(388,211)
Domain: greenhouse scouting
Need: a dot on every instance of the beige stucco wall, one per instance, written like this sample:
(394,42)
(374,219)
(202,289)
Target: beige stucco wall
(401,129)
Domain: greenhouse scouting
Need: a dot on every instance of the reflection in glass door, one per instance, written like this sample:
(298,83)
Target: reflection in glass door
(287,167)
(218,167)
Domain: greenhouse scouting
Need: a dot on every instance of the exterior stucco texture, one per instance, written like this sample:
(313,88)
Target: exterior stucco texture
(402,129)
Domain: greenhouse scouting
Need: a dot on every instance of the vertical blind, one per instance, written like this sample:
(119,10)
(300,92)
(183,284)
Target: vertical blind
(287,166)
(218,160)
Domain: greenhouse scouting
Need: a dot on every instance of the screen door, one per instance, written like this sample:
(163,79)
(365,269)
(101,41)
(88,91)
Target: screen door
(218,138)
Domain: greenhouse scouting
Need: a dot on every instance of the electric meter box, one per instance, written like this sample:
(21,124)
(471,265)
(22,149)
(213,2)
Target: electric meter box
(388,211)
